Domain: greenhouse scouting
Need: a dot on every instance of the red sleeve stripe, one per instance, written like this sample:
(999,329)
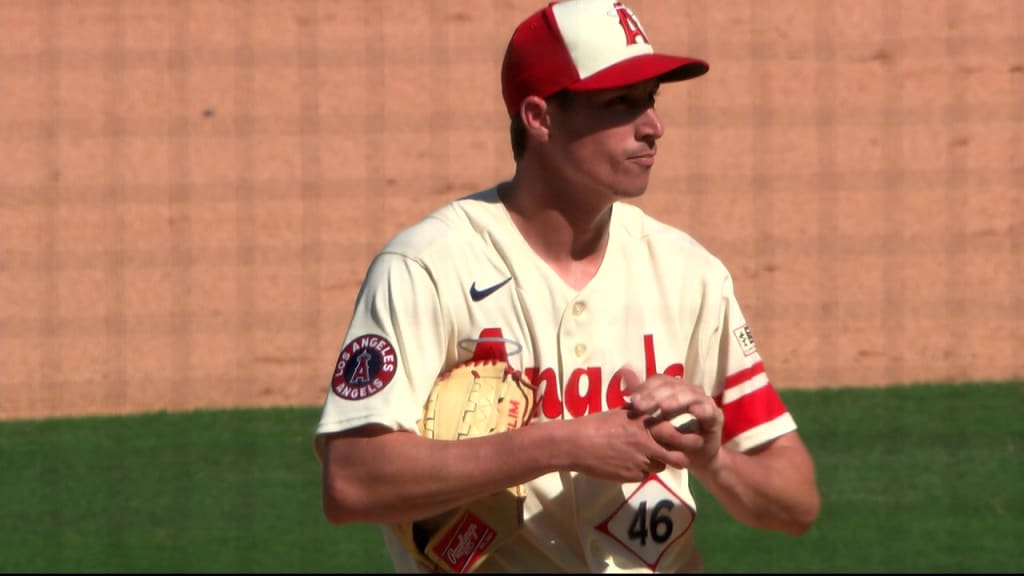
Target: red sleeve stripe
(751,410)
(744,375)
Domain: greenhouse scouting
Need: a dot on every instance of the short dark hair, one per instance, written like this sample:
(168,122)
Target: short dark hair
(517,131)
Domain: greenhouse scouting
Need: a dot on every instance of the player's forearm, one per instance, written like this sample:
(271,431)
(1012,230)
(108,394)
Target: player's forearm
(400,477)
(772,490)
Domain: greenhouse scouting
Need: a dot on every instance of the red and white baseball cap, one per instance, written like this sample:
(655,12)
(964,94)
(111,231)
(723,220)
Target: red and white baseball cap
(584,45)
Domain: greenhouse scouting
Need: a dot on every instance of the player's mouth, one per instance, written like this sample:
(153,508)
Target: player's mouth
(645,159)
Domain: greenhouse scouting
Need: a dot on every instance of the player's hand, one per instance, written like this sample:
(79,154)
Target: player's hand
(667,398)
(618,445)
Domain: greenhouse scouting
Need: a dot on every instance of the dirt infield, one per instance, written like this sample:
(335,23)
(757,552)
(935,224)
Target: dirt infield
(190,191)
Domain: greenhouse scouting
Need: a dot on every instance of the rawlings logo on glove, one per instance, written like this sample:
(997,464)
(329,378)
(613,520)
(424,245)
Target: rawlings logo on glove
(481,396)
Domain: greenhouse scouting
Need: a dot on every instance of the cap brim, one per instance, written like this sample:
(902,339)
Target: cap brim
(640,69)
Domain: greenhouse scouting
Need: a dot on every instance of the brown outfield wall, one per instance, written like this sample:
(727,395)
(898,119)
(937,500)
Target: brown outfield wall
(190,191)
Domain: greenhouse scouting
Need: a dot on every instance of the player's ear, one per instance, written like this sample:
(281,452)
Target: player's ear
(534,114)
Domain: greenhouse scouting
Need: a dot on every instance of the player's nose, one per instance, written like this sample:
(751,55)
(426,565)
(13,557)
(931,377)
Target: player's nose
(648,126)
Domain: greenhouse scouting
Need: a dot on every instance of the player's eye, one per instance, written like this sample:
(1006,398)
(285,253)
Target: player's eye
(619,101)
(637,102)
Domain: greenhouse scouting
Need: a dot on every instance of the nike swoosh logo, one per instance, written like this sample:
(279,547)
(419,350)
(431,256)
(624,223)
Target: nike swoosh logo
(478,295)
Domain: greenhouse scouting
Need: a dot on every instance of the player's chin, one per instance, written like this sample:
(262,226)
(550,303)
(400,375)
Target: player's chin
(632,189)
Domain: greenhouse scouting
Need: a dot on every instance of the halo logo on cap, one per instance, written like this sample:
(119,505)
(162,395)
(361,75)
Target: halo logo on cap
(584,45)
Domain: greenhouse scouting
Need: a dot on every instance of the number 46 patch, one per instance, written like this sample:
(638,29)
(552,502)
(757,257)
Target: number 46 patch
(649,521)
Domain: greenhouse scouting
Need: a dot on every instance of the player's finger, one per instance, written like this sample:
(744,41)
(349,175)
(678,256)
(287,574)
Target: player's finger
(655,466)
(630,380)
(671,438)
(707,414)
(669,457)
(665,395)
(647,395)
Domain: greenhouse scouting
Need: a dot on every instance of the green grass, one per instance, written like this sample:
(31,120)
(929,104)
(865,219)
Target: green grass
(233,491)
(925,478)
(914,479)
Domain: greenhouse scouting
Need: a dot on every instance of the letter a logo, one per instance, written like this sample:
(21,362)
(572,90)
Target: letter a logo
(361,373)
(629,24)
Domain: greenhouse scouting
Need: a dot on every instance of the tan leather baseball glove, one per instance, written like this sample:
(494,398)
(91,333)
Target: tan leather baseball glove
(475,398)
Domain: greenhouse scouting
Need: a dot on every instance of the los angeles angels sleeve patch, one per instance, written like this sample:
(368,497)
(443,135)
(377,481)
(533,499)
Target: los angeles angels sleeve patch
(365,366)
(745,340)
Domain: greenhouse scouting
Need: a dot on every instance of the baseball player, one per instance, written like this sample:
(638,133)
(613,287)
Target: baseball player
(646,373)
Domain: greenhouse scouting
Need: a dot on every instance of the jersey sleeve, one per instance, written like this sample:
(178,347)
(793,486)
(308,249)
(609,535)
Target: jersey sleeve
(392,352)
(754,411)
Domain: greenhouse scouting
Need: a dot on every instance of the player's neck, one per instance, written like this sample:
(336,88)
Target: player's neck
(569,238)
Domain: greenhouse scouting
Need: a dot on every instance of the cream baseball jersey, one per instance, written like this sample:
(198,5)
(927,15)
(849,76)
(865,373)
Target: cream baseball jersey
(660,303)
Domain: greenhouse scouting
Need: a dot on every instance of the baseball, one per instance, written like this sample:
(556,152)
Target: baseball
(686,422)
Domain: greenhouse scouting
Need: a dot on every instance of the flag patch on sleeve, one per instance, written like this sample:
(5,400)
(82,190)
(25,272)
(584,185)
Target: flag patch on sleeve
(745,340)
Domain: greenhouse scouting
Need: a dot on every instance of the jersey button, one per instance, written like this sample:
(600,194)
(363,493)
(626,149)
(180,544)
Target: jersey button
(578,309)
(581,349)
